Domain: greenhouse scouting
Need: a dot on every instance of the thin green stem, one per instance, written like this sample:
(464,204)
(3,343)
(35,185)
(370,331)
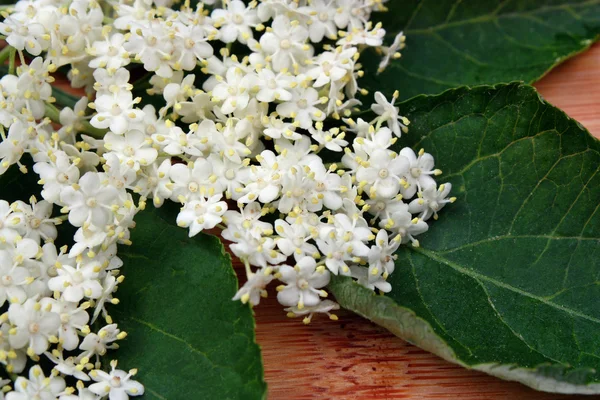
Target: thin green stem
(84,127)
(11,61)
(52,112)
(89,130)
(4,54)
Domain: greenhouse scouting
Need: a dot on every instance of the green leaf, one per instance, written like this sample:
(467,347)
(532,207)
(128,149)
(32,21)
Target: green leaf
(453,43)
(507,281)
(185,335)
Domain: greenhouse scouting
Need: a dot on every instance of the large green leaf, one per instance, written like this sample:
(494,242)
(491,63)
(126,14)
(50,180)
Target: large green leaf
(185,334)
(451,43)
(507,281)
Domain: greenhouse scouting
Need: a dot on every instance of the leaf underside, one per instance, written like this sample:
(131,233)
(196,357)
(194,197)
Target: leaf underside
(508,280)
(453,43)
(185,335)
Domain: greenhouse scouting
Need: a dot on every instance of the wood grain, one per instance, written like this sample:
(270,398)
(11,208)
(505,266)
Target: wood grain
(355,359)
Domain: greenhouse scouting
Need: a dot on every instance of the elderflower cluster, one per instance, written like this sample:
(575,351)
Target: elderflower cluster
(249,115)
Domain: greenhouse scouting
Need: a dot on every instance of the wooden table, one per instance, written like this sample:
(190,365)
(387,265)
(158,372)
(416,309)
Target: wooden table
(355,359)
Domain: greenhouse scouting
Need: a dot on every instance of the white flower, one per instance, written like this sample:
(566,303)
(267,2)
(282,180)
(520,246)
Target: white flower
(286,44)
(402,222)
(38,386)
(193,46)
(232,176)
(389,113)
(248,221)
(156,182)
(78,282)
(12,149)
(132,148)
(421,169)
(332,66)
(332,140)
(274,86)
(116,112)
(177,92)
(109,53)
(302,107)
(13,279)
(294,238)
(392,52)
(11,222)
(191,182)
(254,288)
(38,224)
(22,34)
(324,307)
(381,259)
(322,14)
(72,320)
(302,282)
(233,90)
(431,200)
(102,341)
(234,22)
(150,44)
(91,203)
(383,173)
(201,214)
(117,384)
(111,82)
(33,326)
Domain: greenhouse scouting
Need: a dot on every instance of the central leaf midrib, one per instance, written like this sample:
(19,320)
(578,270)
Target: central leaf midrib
(478,276)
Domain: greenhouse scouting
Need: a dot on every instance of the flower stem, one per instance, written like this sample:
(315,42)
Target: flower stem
(84,127)
(5,53)
(11,61)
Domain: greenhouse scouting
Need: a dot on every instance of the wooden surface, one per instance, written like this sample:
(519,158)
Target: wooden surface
(355,359)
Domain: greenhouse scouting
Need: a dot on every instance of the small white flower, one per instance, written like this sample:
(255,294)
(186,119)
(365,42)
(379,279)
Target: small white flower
(383,173)
(234,21)
(431,200)
(102,341)
(322,14)
(402,222)
(38,386)
(11,222)
(132,148)
(33,326)
(421,169)
(91,203)
(301,283)
(324,307)
(390,114)
(116,112)
(109,53)
(392,52)
(201,214)
(286,44)
(274,86)
(233,90)
(72,320)
(254,288)
(38,224)
(303,107)
(78,282)
(117,384)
